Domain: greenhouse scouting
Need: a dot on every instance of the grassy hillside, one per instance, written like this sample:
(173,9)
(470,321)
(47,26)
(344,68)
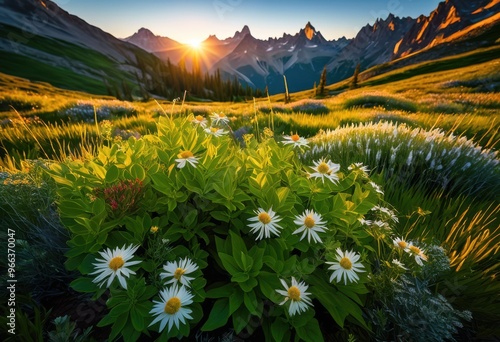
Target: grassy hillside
(422,144)
(63,64)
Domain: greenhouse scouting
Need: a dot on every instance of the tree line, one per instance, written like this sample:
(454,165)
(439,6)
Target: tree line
(168,80)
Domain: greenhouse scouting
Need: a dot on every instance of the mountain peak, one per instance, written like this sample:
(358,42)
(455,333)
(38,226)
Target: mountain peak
(244,31)
(309,30)
(144,32)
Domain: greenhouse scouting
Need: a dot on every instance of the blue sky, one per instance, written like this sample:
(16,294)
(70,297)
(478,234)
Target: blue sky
(194,20)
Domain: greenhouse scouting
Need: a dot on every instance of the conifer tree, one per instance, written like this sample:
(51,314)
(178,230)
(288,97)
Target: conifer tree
(354,83)
(322,83)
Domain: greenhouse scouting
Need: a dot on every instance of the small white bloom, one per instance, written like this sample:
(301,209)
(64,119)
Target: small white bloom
(296,140)
(346,266)
(365,222)
(400,243)
(417,253)
(399,264)
(171,308)
(218,118)
(299,298)
(310,224)
(176,272)
(115,264)
(200,121)
(186,157)
(377,188)
(326,169)
(217,132)
(359,167)
(265,223)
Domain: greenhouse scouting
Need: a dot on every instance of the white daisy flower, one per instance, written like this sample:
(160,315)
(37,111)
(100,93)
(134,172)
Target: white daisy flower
(359,167)
(176,272)
(401,243)
(399,264)
(115,263)
(217,132)
(377,188)
(266,223)
(418,253)
(200,121)
(310,224)
(186,157)
(346,266)
(172,307)
(296,140)
(299,298)
(325,169)
(365,222)
(218,118)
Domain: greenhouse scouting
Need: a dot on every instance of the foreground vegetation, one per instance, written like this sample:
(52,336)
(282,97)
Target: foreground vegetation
(188,186)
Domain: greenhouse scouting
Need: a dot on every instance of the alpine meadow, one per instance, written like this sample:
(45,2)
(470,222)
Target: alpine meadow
(296,188)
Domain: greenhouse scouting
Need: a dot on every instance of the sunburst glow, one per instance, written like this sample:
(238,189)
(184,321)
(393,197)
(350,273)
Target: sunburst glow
(195,44)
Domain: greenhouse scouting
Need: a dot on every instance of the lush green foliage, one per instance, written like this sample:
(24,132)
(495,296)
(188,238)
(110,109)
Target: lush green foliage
(203,213)
(190,213)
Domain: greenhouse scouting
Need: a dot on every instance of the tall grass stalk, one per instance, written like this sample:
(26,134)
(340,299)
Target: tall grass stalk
(31,132)
(256,119)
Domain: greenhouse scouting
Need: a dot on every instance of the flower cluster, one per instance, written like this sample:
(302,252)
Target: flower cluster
(123,197)
(218,120)
(411,249)
(103,109)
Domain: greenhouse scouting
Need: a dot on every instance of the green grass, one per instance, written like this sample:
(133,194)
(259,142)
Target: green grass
(59,77)
(437,108)
(91,64)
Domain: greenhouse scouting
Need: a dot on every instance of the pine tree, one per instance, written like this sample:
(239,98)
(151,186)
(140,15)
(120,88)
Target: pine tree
(354,83)
(322,83)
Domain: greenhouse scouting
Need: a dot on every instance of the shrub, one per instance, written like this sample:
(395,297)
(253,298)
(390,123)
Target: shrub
(222,230)
(430,159)
(384,101)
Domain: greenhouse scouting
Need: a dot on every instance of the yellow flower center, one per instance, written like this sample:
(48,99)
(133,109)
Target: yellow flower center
(154,229)
(179,272)
(295,137)
(324,168)
(294,293)
(415,249)
(222,115)
(264,218)
(309,222)
(402,244)
(172,305)
(345,263)
(199,118)
(214,129)
(116,263)
(186,154)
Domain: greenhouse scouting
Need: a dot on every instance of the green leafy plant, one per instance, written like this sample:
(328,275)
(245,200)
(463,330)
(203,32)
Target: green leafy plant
(237,227)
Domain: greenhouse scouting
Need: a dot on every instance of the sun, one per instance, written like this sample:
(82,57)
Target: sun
(195,44)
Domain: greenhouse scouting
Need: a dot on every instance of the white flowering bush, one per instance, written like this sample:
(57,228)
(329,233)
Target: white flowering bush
(87,111)
(414,155)
(186,231)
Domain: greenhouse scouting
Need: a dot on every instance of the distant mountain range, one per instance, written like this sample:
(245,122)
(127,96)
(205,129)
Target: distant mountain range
(302,57)
(39,33)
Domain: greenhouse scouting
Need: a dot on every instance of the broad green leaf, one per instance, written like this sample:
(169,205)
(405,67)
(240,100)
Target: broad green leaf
(311,331)
(137,319)
(218,316)
(83,284)
(137,171)
(220,292)
(229,263)
(112,174)
(240,277)
(279,329)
